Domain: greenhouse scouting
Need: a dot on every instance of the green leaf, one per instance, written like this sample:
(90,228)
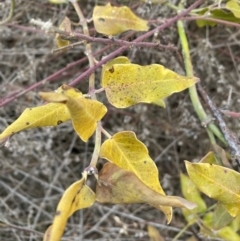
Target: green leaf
(226,233)
(215,14)
(221,217)
(191,193)
(111,20)
(220,183)
(127,152)
(234,7)
(129,84)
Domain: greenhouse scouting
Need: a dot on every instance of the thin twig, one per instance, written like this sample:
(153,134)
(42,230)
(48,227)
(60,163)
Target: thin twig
(230,137)
(10,14)
(112,41)
(54,77)
(139,39)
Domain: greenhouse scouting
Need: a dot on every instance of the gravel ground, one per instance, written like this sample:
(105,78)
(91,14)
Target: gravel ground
(40,164)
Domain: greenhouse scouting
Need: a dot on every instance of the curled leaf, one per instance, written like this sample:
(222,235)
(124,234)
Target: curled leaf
(111,20)
(129,84)
(77,196)
(84,113)
(51,114)
(220,183)
(116,185)
(127,152)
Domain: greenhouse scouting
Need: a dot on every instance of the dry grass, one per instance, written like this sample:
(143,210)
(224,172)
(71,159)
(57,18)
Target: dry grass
(41,163)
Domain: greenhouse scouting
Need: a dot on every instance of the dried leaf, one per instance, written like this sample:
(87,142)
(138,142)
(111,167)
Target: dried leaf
(129,84)
(221,155)
(154,234)
(127,152)
(234,7)
(220,183)
(84,113)
(77,196)
(65,26)
(111,20)
(51,114)
(116,185)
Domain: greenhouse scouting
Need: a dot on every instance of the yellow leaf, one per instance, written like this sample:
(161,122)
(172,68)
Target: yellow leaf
(110,20)
(118,60)
(235,225)
(58,1)
(159,102)
(65,26)
(153,1)
(127,152)
(129,84)
(84,113)
(234,7)
(220,183)
(209,158)
(51,114)
(77,196)
(154,234)
(116,185)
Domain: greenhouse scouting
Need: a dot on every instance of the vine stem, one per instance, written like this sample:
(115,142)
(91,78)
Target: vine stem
(211,128)
(55,76)
(141,38)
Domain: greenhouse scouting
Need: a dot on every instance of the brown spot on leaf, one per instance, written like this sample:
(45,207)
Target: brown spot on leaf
(111,70)
(58,213)
(59,122)
(101,20)
(225,171)
(144,162)
(27,123)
